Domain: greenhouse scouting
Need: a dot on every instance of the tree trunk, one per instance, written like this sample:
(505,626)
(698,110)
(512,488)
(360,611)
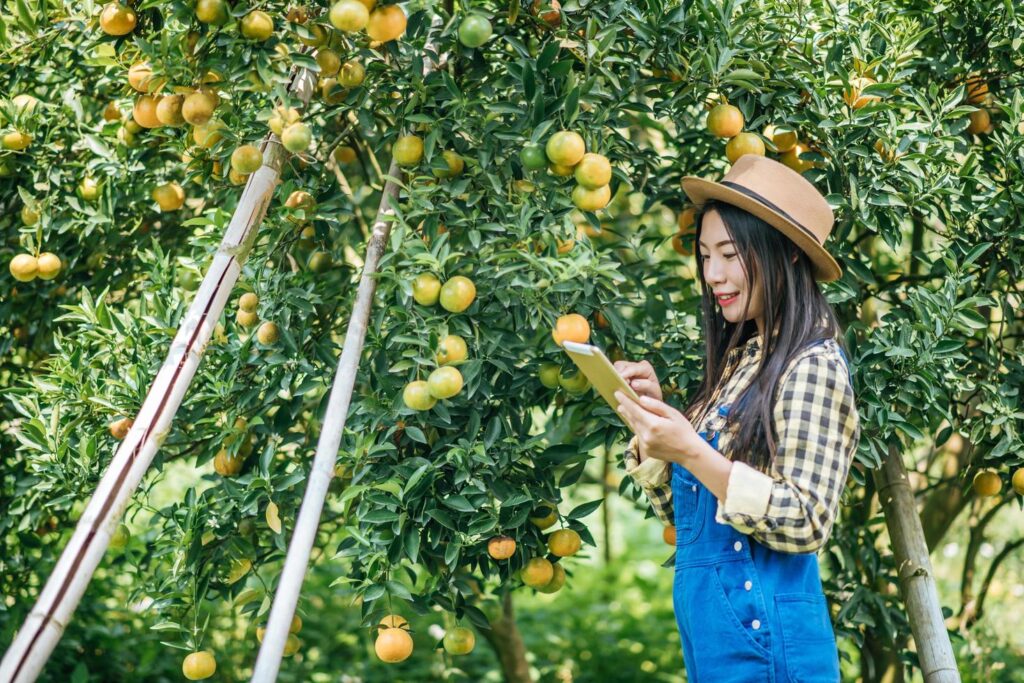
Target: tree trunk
(606,515)
(507,642)
(879,661)
(917,583)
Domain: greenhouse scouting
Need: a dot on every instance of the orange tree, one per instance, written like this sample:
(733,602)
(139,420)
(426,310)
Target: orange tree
(541,163)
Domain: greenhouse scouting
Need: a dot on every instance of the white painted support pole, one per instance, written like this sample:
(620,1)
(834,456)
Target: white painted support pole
(38,636)
(268,661)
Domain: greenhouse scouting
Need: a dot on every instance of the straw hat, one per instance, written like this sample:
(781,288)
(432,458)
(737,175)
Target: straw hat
(781,197)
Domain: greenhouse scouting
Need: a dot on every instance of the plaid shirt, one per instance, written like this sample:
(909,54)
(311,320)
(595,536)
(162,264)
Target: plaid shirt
(793,506)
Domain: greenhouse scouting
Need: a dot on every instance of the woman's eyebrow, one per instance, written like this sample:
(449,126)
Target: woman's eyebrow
(717,245)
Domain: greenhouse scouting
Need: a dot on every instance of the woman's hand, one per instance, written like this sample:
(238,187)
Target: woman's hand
(640,376)
(662,432)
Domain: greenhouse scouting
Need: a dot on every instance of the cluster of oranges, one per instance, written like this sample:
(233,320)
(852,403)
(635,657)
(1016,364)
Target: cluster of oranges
(455,296)
(394,642)
(539,572)
(988,483)
(565,154)
(26,267)
(246,316)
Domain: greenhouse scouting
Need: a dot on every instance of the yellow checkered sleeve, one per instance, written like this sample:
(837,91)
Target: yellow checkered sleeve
(793,507)
(655,478)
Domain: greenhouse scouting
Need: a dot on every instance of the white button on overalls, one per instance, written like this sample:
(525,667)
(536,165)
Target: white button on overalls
(738,546)
(748,585)
(755,624)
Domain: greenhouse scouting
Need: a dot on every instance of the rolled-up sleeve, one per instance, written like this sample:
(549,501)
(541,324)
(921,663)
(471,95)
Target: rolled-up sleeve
(793,508)
(654,477)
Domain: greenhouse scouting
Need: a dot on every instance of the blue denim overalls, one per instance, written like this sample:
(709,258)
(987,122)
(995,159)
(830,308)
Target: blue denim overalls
(746,613)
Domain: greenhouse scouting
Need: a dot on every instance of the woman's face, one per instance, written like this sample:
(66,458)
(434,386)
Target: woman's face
(723,271)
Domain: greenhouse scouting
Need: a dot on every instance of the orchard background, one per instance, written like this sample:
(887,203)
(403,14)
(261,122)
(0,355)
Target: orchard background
(909,116)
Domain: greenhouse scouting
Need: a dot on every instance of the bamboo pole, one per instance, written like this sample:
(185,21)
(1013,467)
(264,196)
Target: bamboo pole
(43,627)
(268,661)
(917,580)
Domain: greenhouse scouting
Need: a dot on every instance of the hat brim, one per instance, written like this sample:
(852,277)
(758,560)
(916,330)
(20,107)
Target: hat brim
(699,190)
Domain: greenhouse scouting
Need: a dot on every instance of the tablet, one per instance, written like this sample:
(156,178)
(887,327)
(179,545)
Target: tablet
(599,370)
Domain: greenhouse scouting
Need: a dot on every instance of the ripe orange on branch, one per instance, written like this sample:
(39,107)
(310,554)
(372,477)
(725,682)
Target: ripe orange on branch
(571,327)
(117,19)
(537,572)
(457,294)
(564,542)
(501,547)
(459,641)
(393,645)
(725,121)
(744,143)
(199,665)
(565,148)
(386,23)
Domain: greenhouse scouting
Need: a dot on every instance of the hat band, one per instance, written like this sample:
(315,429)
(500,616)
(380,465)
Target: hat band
(762,200)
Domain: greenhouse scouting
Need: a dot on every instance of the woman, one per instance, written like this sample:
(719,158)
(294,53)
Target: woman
(750,474)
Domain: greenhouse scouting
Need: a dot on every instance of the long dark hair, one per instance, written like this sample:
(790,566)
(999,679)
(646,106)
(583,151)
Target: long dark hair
(795,312)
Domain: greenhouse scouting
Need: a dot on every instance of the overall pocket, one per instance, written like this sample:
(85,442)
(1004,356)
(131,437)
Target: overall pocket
(687,505)
(808,643)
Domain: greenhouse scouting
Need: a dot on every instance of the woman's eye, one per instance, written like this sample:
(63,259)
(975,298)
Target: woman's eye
(728,255)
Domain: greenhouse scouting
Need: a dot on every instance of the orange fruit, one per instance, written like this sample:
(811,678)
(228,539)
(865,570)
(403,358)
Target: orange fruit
(352,74)
(537,572)
(213,12)
(591,200)
(344,154)
(725,121)
(454,163)
(268,333)
(417,396)
(784,140)
(977,89)
(548,375)
(408,150)
(445,382)
(457,294)
(144,111)
(329,62)
(349,16)
(571,327)
(198,107)
(291,645)
(426,289)
(980,121)
(792,159)
(552,16)
(544,517)
(575,383)
(1017,481)
(88,189)
(227,465)
(560,170)
(452,349)
(557,579)
(744,143)
(296,137)
(168,110)
(117,20)
(393,621)
(564,542)
(257,25)
(248,302)
(668,534)
(386,23)
(459,641)
(140,78)
(852,95)
(49,265)
(246,159)
(393,644)
(169,196)
(503,547)
(24,267)
(682,243)
(593,171)
(246,318)
(987,483)
(565,148)
(16,140)
(199,665)
(686,219)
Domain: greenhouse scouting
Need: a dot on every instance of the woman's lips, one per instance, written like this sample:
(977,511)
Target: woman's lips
(727,301)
